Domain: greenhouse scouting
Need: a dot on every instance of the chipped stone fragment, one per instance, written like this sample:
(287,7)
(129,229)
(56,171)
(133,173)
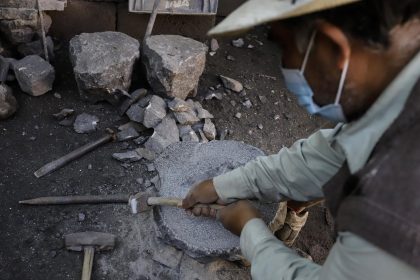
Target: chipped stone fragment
(127,134)
(202,136)
(263,99)
(214,45)
(85,123)
(167,256)
(178,105)
(204,114)
(186,118)
(63,114)
(231,84)
(247,104)
(141,140)
(209,129)
(238,115)
(213,95)
(136,113)
(165,134)
(129,156)
(154,112)
(134,97)
(239,43)
(146,153)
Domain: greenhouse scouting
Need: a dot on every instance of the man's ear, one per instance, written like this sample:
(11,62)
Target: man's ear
(337,36)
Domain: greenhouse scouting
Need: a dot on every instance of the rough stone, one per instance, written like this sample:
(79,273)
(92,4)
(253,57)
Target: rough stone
(81,217)
(260,126)
(127,134)
(178,105)
(165,134)
(5,65)
(180,167)
(204,114)
(150,167)
(34,74)
(239,43)
(231,84)
(184,129)
(64,113)
(213,95)
(263,99)
(238,115)
(136,126)
(130,156)
(8,103)
(136,113)
(102,63)
(186,118)
(174,64)
(85,123)
(154,112)
(214,45)
(37,48)
(209,130)
(146,153)
(230,57)
(203,136)
(247,104)
(191,136)
(141,140)
(134,97)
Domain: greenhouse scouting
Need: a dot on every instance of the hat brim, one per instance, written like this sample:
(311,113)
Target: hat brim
(256,12)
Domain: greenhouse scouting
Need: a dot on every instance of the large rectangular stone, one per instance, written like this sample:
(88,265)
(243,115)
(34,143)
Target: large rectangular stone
(83,17)
(135,24)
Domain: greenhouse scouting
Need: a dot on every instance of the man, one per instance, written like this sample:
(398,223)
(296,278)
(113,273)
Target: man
(356,63)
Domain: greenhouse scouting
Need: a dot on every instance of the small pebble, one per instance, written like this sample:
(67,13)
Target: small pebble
(239,43)
(90,166)
(140,181)
(263,99)
(36,127)
(151,167)
(233,103)
(242,94)
(260,126)
(53,254)
(250,46)
(32,138)
(238,115)
(57,95)
(230,57)
(147,183)
(247,104)
(276,117)
(81,217)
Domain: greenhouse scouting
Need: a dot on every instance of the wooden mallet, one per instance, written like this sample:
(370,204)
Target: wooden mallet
(89,242)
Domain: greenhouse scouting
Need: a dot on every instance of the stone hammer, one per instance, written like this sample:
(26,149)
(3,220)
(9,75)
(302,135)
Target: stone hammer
(89,242)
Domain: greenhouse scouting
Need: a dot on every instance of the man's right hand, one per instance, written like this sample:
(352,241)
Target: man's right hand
(204,193)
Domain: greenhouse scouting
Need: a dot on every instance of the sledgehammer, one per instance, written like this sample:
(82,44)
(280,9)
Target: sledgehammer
(89,242)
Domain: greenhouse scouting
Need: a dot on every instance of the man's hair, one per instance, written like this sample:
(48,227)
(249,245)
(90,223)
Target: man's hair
(368,20)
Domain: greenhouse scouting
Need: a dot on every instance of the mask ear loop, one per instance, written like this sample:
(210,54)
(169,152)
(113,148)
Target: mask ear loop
(342,80)
(308,51)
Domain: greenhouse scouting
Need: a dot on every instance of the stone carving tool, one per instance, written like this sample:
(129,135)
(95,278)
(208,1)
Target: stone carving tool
(139,202)
(58,163)
(89,242)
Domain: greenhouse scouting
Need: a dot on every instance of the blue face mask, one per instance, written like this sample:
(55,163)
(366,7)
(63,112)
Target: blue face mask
(297,84)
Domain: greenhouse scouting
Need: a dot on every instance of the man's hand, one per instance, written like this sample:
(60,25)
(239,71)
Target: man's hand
(235,216)
(204,193)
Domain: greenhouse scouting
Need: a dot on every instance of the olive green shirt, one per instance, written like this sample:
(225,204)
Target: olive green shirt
(299,173)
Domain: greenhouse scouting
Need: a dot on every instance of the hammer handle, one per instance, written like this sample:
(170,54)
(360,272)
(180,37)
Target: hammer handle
(177,202)
(88,263)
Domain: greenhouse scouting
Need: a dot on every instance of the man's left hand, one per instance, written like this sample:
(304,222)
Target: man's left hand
(235,216)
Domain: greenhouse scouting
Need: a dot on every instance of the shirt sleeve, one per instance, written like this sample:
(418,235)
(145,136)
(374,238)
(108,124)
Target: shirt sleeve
(350,258)
(297,173)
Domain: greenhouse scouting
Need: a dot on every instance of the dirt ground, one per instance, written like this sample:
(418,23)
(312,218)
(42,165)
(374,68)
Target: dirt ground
(31,238)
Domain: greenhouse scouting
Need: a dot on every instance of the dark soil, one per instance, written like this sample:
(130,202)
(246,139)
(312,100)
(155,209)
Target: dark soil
(31,238)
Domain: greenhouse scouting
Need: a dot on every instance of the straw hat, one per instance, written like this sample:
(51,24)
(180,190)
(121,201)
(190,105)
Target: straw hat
(256,12)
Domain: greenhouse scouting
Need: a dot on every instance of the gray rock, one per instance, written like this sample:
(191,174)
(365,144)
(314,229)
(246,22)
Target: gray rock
(150,167)
(134,97)
(178,105)
(8,103)
(184,129)
(147,183)
(204,114)
(239,43)
(180,167)
(231,84)
(187,118)
(135,113)
(247,104)
(138,127)
(63,114)
(263,99)
(166,133)
(140,181)
(191,136)
(34,74)
(154,112)
(214,45)
(16,13)
(230,57)
(146,153)
(260,126)
(37,48)
(127,134)
(174,64)
(141,140)
(143,102)
(203,136)
(167,255)
(238,115)
(81,217)
(67,122)
(5,65)
(85,123)
(130,156)
(102,63)
(209,130)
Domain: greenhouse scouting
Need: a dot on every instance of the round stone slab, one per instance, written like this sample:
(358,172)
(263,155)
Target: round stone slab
(180,167)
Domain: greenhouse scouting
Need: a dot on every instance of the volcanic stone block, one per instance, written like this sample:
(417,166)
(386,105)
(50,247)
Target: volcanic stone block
(8,103)
(103,62)
(174,64)
(180,167)
(34,74)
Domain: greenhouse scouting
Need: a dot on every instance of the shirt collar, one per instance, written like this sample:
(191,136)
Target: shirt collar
(358,139)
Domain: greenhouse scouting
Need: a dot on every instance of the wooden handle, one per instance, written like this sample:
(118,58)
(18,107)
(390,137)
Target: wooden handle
(88,263)
(299,206)
(177,202)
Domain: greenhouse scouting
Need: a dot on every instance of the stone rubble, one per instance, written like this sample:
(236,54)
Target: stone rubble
(64,113)
(85,123)
(102,63)
(174,64)
(146,153)
(239,43)
(154,112)
(134,97)
(34,75)
(214,45)
(127,157)
(209,130)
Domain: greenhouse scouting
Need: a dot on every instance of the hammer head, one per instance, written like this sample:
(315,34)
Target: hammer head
(139,203)
(99,240)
